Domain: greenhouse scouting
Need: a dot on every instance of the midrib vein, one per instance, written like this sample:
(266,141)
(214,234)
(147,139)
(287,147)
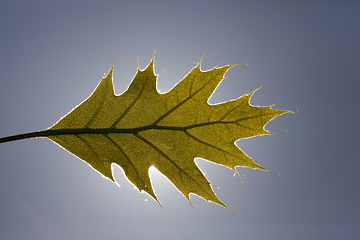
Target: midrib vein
(56,132)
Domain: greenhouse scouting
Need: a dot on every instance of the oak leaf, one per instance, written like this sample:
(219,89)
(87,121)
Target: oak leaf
(142,128)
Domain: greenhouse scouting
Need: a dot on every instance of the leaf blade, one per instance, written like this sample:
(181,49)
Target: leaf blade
(142,128)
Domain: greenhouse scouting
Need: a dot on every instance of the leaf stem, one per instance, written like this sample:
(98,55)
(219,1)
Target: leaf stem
(43,133)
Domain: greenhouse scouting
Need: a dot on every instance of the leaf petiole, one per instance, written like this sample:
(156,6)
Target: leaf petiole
(17,137)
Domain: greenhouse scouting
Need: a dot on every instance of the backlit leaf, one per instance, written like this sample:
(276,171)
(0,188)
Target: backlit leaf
(142,128)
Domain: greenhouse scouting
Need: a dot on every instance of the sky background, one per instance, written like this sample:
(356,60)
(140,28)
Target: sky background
(54,53)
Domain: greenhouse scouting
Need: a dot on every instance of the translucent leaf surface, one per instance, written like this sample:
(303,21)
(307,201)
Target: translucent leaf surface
(143,128)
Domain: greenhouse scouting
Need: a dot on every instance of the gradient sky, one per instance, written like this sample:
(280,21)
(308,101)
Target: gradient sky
(54,53)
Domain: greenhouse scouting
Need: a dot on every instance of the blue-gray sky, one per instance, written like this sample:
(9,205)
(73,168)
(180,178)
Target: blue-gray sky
(54,53)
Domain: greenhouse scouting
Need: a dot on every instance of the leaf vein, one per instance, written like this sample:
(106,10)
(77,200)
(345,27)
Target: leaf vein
(96,113)
(92,150)
(126,156)
(178,105)
(168,158)
(208,144)
(129,108)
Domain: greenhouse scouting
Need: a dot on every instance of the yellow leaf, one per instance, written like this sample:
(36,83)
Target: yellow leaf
(142,128)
